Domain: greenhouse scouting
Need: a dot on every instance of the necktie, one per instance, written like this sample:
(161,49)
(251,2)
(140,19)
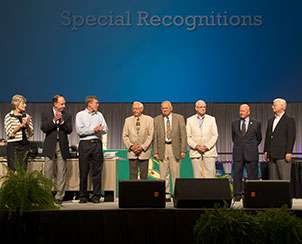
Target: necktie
(138,125)
(168,129)
(243,129)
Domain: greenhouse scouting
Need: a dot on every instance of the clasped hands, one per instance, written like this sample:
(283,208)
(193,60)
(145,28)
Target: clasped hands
(26,121)
(58,117)
(201,149)
(136,149)
(98,128)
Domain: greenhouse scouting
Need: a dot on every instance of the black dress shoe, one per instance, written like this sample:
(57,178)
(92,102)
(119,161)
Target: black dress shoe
(83,200)
(95,200)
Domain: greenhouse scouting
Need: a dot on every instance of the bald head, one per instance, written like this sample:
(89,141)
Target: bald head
(244,111)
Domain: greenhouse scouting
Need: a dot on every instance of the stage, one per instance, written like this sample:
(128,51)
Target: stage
(107,223)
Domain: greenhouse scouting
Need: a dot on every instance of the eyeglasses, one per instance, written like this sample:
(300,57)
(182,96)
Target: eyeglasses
(201,106)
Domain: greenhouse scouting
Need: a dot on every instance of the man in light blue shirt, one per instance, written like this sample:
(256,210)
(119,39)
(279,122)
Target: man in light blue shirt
(90,126)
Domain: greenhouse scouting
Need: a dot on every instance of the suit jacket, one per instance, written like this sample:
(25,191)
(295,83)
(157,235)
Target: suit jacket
(281,141)
(178,134)
(208,136)
(50,129)
(143,138)
(246,147)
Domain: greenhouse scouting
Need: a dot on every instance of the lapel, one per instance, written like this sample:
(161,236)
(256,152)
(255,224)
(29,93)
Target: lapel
(162,123)
(174,124)
(251,124)
(281,121)
(238,127)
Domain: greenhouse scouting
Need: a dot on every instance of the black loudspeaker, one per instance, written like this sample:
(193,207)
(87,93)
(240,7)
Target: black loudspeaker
(142,194)
(267,194)
(201,193)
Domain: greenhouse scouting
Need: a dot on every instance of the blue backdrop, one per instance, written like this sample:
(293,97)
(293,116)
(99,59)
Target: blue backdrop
(151,50)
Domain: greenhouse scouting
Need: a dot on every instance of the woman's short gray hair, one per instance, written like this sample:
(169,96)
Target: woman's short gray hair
(16,100)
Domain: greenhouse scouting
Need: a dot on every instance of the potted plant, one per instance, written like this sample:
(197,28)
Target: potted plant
(22,191)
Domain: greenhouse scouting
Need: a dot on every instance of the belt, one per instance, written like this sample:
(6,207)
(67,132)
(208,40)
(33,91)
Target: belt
(168,142)
(93,140)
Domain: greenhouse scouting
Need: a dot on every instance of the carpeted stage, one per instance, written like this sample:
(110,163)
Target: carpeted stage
(107,223)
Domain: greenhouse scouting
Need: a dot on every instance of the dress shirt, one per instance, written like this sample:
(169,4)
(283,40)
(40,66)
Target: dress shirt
(165,122)
(87,121)
(276,120)
(200,121)
(246,121)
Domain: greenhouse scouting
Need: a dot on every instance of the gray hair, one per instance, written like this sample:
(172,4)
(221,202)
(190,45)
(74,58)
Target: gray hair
(139,104)
(281,101)
(246,105)
(166,102)
(16,100)
(199,102)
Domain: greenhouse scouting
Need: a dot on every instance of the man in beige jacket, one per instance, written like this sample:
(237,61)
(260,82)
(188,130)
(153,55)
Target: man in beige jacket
(202,137)
(137,137)
(169,144)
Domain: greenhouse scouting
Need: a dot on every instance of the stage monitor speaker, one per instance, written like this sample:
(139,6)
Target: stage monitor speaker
(201,193)
(267,194)
(142,194)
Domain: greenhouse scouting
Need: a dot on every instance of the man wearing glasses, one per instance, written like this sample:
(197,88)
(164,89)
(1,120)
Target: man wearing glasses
(202,137)
(279,142)
(137,137)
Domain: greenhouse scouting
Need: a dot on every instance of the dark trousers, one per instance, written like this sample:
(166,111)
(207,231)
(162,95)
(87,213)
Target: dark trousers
(16,153)
(90,153)
(252,173)
(142,165)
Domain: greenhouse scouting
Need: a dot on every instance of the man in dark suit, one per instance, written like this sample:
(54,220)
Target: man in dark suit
(279,142)
(246,136)
(56,124)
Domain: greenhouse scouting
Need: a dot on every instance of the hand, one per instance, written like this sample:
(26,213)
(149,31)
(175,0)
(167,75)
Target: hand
(58,116)
(26,121)
(98,128)
(199,148)
(156,156)
(139,149)
(288,157)
(182,155)
(204,148)
(265,157)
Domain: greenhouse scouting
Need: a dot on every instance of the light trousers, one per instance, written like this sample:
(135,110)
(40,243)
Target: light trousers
(170,163)
(205,169)
(58,163)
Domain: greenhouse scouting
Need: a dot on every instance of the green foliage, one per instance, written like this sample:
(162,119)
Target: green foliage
(22,191)
(280,226)
(223,225)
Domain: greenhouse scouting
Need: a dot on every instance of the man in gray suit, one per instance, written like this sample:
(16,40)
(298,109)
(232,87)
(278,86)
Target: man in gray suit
(169,143)
(137,137)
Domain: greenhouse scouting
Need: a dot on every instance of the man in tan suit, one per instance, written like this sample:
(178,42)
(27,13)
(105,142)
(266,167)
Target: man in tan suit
(202,137)
(137,137)
(169,143)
